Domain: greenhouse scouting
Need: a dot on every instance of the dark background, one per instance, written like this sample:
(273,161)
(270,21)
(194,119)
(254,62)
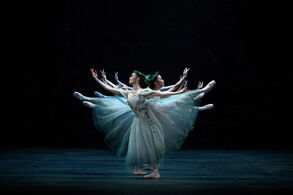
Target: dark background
(243,45)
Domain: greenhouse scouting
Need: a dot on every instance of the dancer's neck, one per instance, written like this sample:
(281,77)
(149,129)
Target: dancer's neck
(136,87)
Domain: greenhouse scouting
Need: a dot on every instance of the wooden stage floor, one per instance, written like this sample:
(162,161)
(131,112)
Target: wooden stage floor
(94,171)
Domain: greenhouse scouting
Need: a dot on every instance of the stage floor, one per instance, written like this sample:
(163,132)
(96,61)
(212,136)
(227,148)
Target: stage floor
(92,171)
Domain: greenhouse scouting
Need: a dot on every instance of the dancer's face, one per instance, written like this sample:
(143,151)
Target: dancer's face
(159,82)
(133,78)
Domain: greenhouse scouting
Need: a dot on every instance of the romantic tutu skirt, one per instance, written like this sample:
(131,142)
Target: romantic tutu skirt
(113,119)
(144,129)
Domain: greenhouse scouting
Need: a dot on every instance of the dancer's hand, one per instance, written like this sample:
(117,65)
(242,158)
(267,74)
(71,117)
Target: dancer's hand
(125,87)
(118,86)
(185,72)
(116,76)
(94,73)
(103,74)
(200,85)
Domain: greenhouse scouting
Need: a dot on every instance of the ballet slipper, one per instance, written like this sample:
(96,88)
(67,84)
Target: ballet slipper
(205,107)
(88,104)
(209,86)
(78,95)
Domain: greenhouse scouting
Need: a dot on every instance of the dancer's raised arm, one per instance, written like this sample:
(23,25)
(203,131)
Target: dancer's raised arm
(183,85)
(177,85)
(120,83)
(105,86)
(106,80)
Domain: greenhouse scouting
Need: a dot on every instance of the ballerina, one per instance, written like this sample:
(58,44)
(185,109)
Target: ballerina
(141,152)
(121,123)
(156,83)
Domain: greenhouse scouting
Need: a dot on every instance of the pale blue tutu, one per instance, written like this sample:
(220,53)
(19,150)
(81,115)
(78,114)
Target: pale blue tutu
(113,118)
(144,129)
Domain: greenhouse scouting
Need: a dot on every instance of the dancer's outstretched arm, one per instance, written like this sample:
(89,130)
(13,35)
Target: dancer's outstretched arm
(177,85)
(110,84)
(183,85)
(120,83)
(165,88)
(106,87)
(164,94)
(106,80)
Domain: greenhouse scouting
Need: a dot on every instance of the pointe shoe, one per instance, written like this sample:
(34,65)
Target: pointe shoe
(209,86)
(206,107)
(88,104)
(201,95)
(78,95)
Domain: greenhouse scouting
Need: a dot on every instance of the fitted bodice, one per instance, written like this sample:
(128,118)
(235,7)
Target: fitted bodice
(137,102)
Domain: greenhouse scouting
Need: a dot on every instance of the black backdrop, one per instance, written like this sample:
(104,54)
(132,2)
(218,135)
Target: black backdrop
(243,45)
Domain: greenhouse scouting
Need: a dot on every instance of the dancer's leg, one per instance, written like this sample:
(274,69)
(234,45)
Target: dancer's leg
(198,97)
(204,90)
(205,107)
(78,95)
(155,174)
(88,104)
(208,87)
(84,98)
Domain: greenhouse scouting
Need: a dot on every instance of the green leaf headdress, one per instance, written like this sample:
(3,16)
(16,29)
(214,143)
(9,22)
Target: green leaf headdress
(143,76)
(151,78)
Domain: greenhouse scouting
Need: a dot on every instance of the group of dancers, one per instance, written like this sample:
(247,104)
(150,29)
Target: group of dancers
(145,122)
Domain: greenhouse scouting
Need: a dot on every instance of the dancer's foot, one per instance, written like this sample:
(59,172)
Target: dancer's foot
(139,172)
(88,104)
(153,175)
(201,95)
(78,95)
(205,107)
(209,86)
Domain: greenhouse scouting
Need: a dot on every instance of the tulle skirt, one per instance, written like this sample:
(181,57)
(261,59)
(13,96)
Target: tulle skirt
(114,119)
(145,137)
